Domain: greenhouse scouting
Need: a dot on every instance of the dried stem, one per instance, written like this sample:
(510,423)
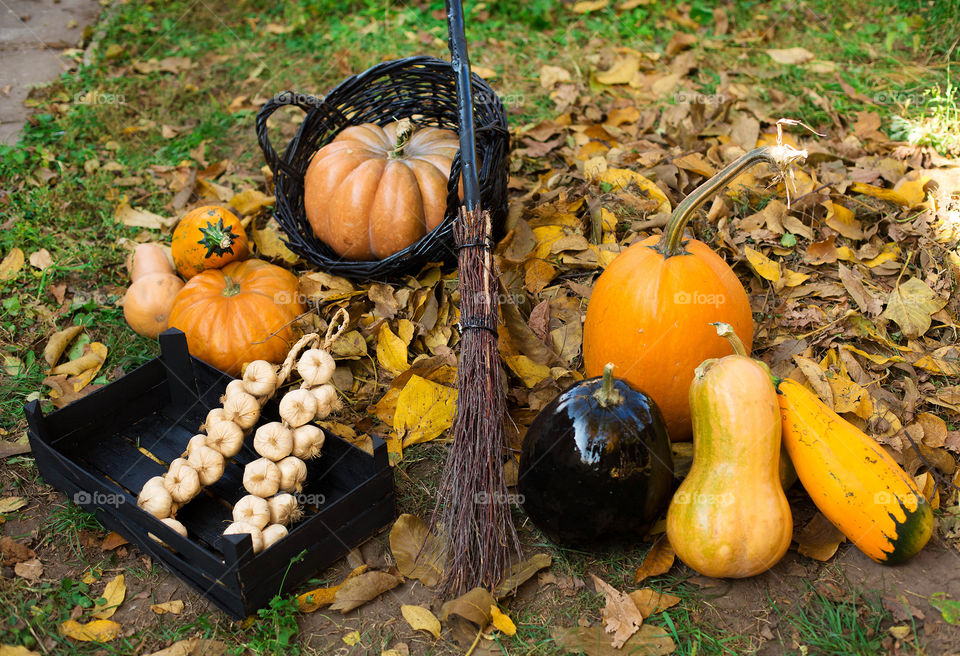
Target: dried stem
(472,504)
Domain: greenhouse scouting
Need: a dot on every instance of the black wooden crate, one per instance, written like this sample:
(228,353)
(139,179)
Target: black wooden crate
(91,451)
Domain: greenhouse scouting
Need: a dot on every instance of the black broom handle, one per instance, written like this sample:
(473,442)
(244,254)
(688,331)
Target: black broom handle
(461,69)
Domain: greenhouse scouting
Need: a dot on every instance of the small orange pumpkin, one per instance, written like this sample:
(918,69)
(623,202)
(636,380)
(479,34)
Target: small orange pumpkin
(237,314)
(147,302)
(375,190)
(651,309)
(207,238)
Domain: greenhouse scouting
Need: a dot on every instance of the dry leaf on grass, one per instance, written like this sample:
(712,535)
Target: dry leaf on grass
(911,306)
(11,265)
(14,552)
(58,343)
(649,601)
(41,259)
(421,619)
(418,553)
(520,573)
(193,647)
(112,597)
(356,591)
(30,570)
(17,650)
(502,622)
(790,56)
(135,218)
(174,607)
(11,504)
(620,615)
(658,561)
(648,641)
(819,539)
(473,606)
(95,631)
(317,598)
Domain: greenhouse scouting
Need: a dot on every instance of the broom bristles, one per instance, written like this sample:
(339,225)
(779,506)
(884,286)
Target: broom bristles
(473,508)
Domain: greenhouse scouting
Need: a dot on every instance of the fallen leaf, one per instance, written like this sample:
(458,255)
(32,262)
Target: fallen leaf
(502,622)
(251,201)
(658,561)
(934,429)
(352,639)
(648,641)
(11,504)
(418,553)
(360,589)
(17,650)
(621,72)
(473,606)
(31,570)
(41,259)
(14,552)
(819,539)
(113,596)
(762,265)
(391,350)
(911,306)
(112,541)
(193,647)
(520,573)
(95,631)
(315,599)
(649,601)
(949,608)
(620,179)
(853,283)
(11,265)
(129,216)
(586,6)
(790,56)
(421,619)
(551,75)
(817,379)
(58,343)
(530,372)
(425,410)
(174,607)
(270,244)
(620,615)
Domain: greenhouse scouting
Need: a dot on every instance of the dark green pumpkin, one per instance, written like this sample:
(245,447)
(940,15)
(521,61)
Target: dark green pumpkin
(596,464)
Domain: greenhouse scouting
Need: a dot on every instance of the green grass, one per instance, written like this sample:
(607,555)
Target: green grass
(852,626)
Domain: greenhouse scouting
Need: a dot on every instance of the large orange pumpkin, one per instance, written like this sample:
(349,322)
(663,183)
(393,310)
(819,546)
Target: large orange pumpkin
(237,314)
(651,309)
(207,238)
(375,190)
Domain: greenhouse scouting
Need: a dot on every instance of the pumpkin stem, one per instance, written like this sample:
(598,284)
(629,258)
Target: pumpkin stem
(726,331)
(608,395)
(230,286)
(217,238)
(404,132)
(779,156)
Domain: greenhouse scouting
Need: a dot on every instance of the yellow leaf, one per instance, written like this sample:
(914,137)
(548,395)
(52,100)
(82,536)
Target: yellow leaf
(114,593)
(425,410)
(130,216)
(530,372)
(270,243)
(352,638)
(95,631)
(911,190)
(790,56)
(649,601)
(819,539)
(762,265)
(911,305)
(658,560)
(16,650)
(10,504)
(421,619)
(909,194)
(310,601)
(174,607)
(417,552)
(622,71)
(502,622)
(551,75)
(546,236)
(85,377)
(841,219)
(391,350)
(793,278)
(621,178)
(538,274)
(11,265)
(251,201)
(586,6)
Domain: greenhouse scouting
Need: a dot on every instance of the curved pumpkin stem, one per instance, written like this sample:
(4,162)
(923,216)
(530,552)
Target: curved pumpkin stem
(230,286)
(779,156)
(726,331)
(608,395)
(404,131)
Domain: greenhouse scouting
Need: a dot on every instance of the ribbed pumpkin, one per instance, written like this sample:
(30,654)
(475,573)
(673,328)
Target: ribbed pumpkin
(207,238)
(375,190)
(651,309)
(237,314)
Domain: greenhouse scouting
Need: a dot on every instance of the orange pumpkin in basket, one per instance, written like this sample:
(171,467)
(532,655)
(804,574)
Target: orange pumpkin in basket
(375,190)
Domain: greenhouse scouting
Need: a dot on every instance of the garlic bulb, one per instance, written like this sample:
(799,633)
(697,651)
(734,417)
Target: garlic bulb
(182,481)
(293,472)
(226,437)
(327,400)
(297,407)
(252,510)
(175,525)
(274,441)
(307,441)
(233,387)
(272,534)
(283,509)
(214,416)
(316,367)
(260,378)
(255,534)
(195,443)
(155,498)
(261,478)
(209,464)
(242,409)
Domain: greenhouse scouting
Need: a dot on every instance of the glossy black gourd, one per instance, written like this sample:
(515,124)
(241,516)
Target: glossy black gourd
(596,464)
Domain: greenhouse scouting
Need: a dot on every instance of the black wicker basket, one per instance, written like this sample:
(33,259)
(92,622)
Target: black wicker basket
(422,88)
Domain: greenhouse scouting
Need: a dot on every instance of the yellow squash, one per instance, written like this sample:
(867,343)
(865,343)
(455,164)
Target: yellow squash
(730,517)
(852,480)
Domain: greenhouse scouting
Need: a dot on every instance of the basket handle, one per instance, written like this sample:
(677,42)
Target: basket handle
(303,101)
